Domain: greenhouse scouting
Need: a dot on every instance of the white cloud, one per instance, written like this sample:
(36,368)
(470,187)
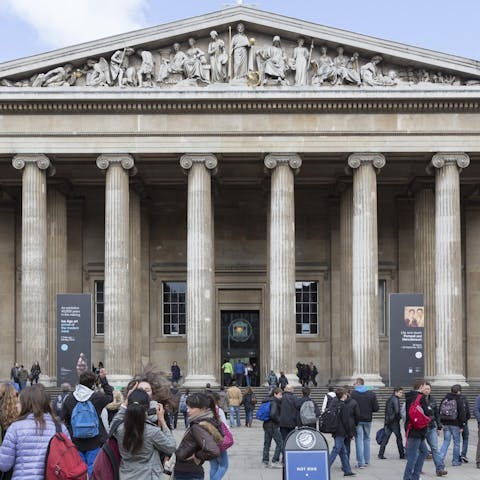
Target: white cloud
(61,23)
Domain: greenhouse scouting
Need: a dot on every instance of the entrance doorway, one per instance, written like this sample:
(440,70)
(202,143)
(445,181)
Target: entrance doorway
(240,333)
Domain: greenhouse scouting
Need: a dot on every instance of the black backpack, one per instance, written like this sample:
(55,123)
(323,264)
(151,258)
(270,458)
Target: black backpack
(328,421)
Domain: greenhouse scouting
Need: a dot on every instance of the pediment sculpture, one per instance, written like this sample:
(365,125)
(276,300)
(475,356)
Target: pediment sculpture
(235,58)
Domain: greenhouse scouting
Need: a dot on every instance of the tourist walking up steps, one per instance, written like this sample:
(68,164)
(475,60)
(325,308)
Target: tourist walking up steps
(271,429)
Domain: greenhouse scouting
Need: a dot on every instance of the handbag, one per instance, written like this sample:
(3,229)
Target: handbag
(227,441)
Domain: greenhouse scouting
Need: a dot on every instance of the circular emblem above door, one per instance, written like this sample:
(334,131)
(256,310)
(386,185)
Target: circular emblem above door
(240,330)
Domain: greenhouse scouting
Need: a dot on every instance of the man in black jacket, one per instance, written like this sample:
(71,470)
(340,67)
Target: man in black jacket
(272,430)
(416,450)
(453,421)
(84,392)
(392,423)
(465,432)
(347,419)
(433,431)
(290,412)
(368,403)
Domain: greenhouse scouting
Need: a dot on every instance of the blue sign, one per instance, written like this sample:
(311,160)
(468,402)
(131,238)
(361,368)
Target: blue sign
(306,465)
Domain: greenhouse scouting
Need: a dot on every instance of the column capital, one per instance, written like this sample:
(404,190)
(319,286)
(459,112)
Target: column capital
(439,160)
(355,160)
(208,159)
(124,159)
(293,160)
(42,161)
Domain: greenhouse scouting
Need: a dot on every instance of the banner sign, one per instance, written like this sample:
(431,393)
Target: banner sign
(74,336)
(407,328)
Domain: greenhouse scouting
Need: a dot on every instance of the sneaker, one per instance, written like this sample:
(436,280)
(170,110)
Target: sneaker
(276,465)
(382,457)
(266,464)
(360,466)
(457,464)
(441,473)
(464,459)
(349,474)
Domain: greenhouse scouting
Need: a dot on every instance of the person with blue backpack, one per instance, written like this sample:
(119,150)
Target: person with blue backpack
(82,415)
(269,414)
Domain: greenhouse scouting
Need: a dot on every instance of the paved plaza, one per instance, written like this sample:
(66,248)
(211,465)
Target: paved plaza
(245,459)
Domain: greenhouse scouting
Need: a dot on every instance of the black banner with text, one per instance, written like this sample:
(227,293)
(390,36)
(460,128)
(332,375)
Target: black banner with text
(407,328)
(74,336)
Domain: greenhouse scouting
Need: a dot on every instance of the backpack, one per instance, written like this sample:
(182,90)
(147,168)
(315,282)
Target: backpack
(263,412)
(84,420)
(328,421)
(448,409)
(417,420)
(307,413)
(63,462)
(107,462)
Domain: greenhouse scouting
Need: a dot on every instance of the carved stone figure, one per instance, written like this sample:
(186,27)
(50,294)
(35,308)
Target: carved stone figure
(195,65)
(240,45)
(145,72)
(272,62)
(121,72)
(300,63)
(340,66)
(58,77)
(352,72)
(99,73)
(218,58)
(372,78)
(178,61)
(324,67)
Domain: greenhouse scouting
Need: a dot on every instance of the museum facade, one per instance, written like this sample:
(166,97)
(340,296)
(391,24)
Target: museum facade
(241,185)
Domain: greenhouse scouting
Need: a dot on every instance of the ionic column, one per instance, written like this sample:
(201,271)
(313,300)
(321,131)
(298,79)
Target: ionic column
(281,272)
(200,271)
(448,268)
(117,266)
(56,266)
(424,260)
(346,220)
(366,362)
(34,301)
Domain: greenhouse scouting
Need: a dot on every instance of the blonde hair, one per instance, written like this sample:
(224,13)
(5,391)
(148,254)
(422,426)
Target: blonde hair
(8,405)
(117,400)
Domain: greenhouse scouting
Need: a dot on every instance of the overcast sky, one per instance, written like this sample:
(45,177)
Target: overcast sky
(28,27)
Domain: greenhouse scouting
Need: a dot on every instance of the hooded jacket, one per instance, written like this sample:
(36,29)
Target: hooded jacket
(348,415)
(410,397)
(290,411)
(99,401)
(275,407)
(461,414)
(367,402)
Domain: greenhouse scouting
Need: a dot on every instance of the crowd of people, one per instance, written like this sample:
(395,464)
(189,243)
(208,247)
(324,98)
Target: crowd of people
(142,418)
(19,375)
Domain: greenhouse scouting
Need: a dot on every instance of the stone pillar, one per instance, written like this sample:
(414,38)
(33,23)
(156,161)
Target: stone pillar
(346,223)
(118,358)
(448,268)
(201,359)
(424,264)
(366,363)
(34,289)
(281,272)
(57,268)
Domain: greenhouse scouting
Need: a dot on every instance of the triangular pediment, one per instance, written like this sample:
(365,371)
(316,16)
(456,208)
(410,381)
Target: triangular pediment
(266,53)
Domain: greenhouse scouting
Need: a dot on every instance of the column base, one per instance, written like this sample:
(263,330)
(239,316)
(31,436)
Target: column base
(118,380)
(449,380)
(293,380)
(195,381)
(370,379)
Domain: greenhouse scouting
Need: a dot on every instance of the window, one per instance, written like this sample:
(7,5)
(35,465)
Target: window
(99,303)
(174,317)
(306,304)
(382,319)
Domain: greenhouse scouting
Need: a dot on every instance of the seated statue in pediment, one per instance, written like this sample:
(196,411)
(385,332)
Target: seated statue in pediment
(324,68)
(272,63)
(195,65)
(122,73)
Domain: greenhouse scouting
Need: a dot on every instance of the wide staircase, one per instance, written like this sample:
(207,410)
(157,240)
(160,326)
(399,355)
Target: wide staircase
(318,393)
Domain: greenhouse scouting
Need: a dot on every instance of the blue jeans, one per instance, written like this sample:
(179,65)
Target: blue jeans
(465,435)
(234,414)
(450,431)
(340,450)
(185,419)
(248,417)
(271,431)
(432,440)
(219,466)
(248,380)
(89,457)
(362,443)
(416,453)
